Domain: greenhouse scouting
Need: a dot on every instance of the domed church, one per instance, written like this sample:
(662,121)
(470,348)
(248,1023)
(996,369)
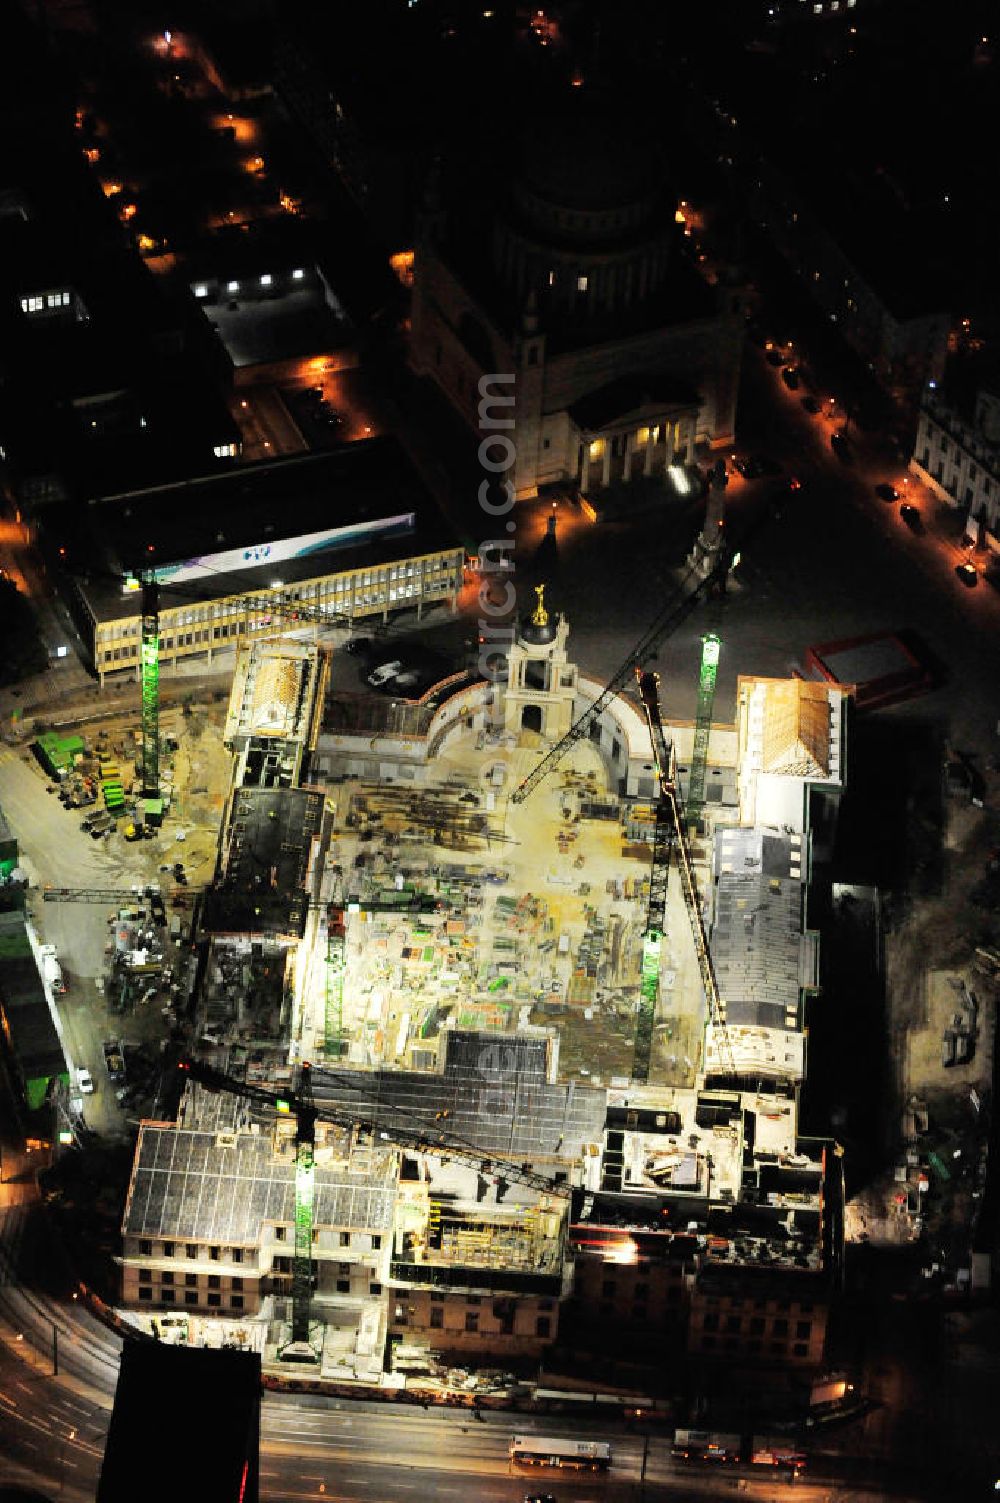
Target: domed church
(568,274)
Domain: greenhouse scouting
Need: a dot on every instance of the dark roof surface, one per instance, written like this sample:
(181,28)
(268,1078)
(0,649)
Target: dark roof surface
(495,1091)
(628,394)
(591,152)
(22,997)
(190,1184)
(267,855)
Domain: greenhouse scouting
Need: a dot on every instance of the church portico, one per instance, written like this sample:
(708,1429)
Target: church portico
(619,438)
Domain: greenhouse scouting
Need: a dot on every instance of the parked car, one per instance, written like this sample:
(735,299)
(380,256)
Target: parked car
(764,465)
(774,357)
(790,376)
(384,673)
(886,492)
(812,405)
(358,646)
(840,446)
(911,516)
(968,574)
(85,1082)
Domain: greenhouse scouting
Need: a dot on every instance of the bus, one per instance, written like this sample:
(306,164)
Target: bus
(544,1450)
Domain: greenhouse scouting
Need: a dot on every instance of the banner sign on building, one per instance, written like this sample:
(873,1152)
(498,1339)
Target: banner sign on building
(283,550)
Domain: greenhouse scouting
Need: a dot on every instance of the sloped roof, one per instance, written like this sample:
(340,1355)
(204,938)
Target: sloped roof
(631,394)
(796,728)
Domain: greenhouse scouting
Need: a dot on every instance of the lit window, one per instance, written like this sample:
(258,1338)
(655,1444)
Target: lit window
(642,436)
(32,304)
(266,279)
(596,448)
(232,286)
(552,279)
(581,284)
(201,290)
(298,274)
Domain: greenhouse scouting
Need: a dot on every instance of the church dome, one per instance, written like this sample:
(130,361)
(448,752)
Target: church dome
(589,154)
(536,635)
(589,225)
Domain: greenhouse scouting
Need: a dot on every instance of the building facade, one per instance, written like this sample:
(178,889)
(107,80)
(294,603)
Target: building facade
(959,460)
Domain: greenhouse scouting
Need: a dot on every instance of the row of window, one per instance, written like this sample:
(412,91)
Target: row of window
(779,1326)
(543,1323)
(959,460)
(713,1302)
(218,1254)
(753,1348)
(439,1296)
(371,585)
(214,1280)
(193,1250)
(192,1297)
(38,301)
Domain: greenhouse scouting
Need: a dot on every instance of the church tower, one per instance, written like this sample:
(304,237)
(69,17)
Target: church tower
(541,682)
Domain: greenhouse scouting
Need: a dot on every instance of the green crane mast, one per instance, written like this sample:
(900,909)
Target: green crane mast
(305,1185)
(711,646)
(150,671)
(334,1010)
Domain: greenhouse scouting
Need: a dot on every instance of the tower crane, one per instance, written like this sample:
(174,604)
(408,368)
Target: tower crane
(385,1125)
(670,833)
(678,608)
(419,902)
(149,656)
(710,648)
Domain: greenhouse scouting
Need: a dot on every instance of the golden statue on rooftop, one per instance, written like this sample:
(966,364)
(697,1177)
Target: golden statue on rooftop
(541,615)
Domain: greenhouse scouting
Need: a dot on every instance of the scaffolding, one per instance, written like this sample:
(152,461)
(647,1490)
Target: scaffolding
(521,1242)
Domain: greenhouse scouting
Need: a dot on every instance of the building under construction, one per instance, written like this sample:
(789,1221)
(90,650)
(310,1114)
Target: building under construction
(571,1018)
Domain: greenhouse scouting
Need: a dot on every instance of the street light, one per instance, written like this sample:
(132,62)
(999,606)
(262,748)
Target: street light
(69,1436)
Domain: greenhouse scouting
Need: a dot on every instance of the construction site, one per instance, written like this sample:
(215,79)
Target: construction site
(501,1021)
